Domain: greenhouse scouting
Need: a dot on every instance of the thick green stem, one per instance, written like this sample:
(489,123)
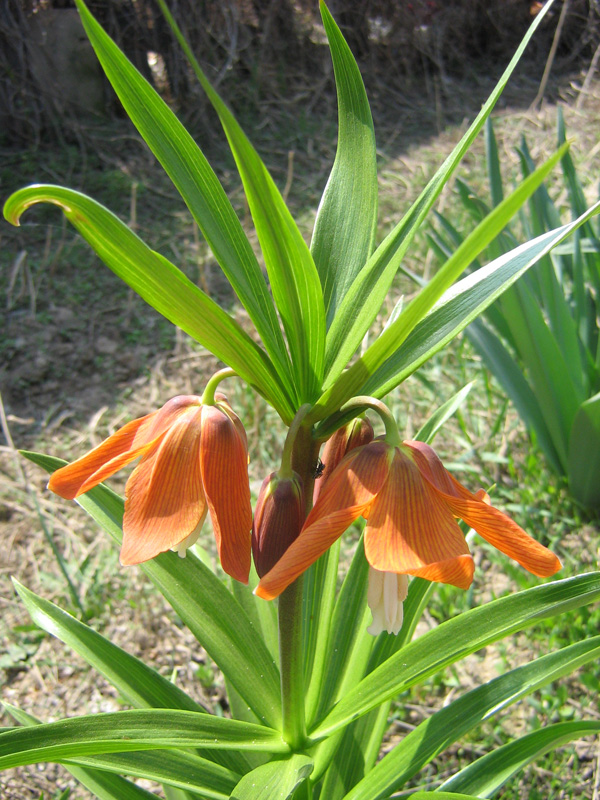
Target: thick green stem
(303,459)
(291,665)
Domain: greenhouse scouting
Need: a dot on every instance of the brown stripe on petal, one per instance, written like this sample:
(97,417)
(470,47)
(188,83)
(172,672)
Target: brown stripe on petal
(125,445)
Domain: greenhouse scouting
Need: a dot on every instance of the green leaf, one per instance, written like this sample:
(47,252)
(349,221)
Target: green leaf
(367,292)
(442,796)
(428,431)
(294,278)
(493,164)
(195,180)
(456,639)
(510,374)
(584,454)
(276,780)
(344,230)
(139,684)
(384,347)
(125,731)
(171,768)
(459,306)
(486,775)
(318,601)
(161,285)
(204,604)
(438,732)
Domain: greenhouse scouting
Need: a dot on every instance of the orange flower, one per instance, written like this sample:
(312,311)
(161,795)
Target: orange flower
(194,460)
(410,502)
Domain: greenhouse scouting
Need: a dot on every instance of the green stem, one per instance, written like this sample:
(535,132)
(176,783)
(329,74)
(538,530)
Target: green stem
(301,452)
(291,665)
(208,398)
(286,469)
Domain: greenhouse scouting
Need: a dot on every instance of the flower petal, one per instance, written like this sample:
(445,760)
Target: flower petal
(475,509)
(164,497)
(503,533)
(432,469)
(125,445)
(411,531)
(224,466)
(348,493)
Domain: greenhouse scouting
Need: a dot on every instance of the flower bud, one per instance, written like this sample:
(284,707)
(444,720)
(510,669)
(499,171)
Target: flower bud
(278,519)
(354,434)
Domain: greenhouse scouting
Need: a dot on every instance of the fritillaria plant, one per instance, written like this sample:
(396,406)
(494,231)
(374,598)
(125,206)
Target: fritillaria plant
(310,675)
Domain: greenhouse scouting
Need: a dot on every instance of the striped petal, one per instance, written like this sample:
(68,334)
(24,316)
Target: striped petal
(224,467)
(493,525)
(503,533)
(410,530)
(164,497)
(432,469)
(125,445)
(348,493)
(103,461)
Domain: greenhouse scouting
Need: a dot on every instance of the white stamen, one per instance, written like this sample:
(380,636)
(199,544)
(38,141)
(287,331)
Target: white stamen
(386,594)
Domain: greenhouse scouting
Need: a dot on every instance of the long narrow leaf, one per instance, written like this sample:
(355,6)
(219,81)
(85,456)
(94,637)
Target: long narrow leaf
(456,639)
(125,731)
(510,374)
(486,775)
(363,300)
(461,305)
(171,768)
(388,342)
(195,180)
(344,230)
(160,284)
(584,454)
(447,726)
(204,604)
(138,683)
(294,278)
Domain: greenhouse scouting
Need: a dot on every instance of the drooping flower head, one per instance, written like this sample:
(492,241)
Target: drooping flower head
(411,503)
(194,460)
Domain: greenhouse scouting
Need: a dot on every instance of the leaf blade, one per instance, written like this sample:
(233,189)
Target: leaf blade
(195,180)
(344,230)
(160,284)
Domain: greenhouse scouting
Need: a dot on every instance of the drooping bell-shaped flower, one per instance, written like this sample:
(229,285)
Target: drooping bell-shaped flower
(194,460)
(411,503)
(278,518)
